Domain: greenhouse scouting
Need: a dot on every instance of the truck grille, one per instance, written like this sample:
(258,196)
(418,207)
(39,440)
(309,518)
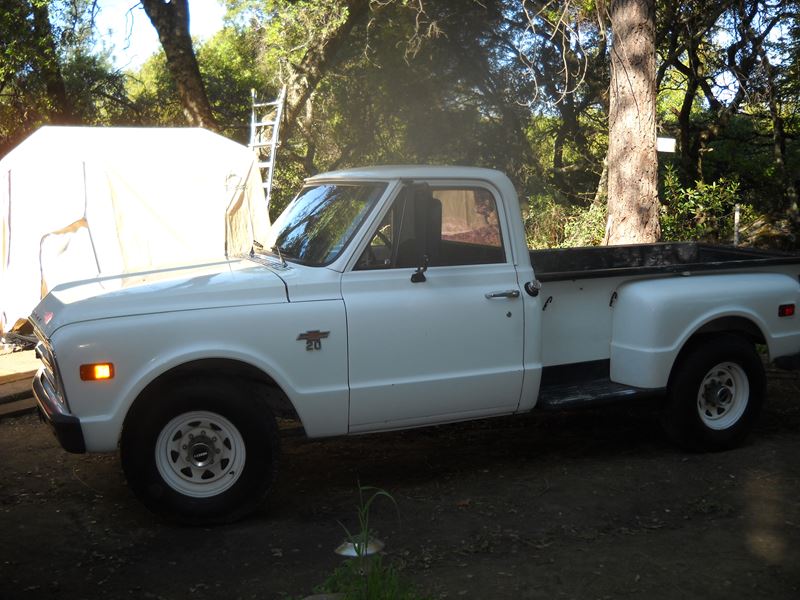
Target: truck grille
(49,375)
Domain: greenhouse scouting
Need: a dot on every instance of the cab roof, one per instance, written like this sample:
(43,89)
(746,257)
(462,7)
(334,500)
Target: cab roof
(394,172)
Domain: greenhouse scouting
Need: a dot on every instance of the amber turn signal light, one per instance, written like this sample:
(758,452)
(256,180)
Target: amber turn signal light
(97,371)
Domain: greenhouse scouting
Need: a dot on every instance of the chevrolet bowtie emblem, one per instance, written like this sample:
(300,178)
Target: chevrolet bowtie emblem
(313,338)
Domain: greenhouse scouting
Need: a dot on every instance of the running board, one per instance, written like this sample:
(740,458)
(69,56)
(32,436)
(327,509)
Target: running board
(587,393)
(585,384)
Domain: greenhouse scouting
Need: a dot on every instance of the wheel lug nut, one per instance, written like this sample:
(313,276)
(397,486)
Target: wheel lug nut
(184,446)
(213,439)
(191,436)
(216,450)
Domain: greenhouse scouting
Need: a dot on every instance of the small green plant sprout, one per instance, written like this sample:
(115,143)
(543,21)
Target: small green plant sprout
(363,542)
(365,576)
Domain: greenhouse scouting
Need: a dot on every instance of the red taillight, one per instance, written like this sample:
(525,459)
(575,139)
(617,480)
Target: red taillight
(786,310)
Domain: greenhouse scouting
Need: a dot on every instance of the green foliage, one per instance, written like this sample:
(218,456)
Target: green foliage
(585,226)
(49,70)
(287,28)
(549,224)
(361,538)
(704,212)
(96,90)
(53,70)
(152,94)
(286,183)
(545,220)
(382,103)
(743,152)
(466,82)
(367,577)
(229,64)
(670,96)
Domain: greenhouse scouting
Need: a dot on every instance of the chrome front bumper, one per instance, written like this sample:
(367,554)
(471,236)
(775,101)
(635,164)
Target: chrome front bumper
(66,427)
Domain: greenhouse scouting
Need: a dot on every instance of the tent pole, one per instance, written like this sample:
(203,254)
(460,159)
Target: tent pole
(86,219)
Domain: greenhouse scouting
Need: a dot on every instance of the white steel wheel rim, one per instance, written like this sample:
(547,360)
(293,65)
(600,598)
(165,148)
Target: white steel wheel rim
(723,396)
(200,454)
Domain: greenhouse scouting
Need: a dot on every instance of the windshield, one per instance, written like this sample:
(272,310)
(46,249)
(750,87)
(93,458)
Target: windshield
(321,220)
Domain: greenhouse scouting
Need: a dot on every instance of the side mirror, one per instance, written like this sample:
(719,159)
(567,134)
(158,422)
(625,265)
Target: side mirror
(418,276)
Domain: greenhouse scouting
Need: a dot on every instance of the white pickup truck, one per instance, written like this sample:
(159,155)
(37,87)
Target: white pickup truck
(398,297)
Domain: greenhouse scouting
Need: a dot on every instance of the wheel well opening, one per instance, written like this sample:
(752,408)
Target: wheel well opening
(265,387)
(735,325)
(740,326)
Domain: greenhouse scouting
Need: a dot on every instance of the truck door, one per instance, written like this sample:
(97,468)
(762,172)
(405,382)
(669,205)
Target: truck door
(434,313)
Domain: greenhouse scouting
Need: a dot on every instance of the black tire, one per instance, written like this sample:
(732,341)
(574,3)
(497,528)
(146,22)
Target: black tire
(216,418)
(728,371)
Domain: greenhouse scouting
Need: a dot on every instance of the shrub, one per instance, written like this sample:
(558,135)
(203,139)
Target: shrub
(549,224)
(704,212)
(585,226)
(544,222)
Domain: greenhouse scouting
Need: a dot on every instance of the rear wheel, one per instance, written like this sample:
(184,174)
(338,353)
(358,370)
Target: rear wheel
(715,394)
(201,450)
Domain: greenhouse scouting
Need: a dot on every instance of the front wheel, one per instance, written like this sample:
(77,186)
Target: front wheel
(201,451)
(200,454)
(715,394)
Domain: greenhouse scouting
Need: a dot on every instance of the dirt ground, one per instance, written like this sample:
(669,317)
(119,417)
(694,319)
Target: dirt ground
(584,504)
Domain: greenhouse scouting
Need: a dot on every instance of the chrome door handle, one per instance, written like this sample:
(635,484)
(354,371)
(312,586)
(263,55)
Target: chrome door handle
(504,294)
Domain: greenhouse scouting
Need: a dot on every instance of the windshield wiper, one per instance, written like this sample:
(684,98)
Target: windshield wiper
(277,249)
(258,247)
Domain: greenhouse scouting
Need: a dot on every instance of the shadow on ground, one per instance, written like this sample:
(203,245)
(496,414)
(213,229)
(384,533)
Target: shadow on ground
(584,504)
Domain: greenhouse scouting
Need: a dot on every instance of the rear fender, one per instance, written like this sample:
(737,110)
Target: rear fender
(654,319)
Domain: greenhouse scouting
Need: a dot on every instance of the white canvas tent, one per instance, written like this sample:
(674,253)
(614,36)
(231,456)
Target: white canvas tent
(78,202)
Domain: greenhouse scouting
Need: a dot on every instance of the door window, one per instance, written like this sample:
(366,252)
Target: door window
(439,227)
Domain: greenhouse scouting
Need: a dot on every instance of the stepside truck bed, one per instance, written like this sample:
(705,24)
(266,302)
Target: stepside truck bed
(560,264)
(579,292)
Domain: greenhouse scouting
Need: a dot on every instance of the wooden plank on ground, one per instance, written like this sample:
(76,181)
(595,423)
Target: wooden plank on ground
(16,390)
(16,408)
(12,378)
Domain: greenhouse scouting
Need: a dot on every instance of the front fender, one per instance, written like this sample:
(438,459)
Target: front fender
(653,319)
(143,348)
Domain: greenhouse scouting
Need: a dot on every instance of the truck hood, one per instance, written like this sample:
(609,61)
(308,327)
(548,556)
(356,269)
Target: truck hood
(215,285)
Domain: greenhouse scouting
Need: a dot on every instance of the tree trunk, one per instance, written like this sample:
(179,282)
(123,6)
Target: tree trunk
(632,160)
(689,143)
(49,66)
(779,140)
(171,21)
